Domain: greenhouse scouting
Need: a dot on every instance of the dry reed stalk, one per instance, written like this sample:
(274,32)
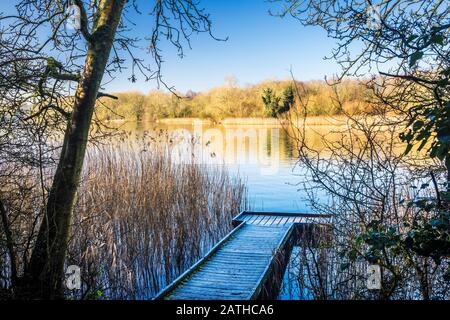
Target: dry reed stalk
(142,218)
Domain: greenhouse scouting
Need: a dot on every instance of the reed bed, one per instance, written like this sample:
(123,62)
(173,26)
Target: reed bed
(142,218)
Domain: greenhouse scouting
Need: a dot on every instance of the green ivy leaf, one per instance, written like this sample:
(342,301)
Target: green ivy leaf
(444,138)
(358,241)
(344,266)
(417,125)
(422,144)
(352,255)
(446,72)
(411,38)
(437,38)
(436,222)
(408,148)
(416,56)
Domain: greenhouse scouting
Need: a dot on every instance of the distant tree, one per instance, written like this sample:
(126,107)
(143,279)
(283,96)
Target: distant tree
(271,102)
(190,94)
(231,81)
(274,105)
(138,106)
(288,100)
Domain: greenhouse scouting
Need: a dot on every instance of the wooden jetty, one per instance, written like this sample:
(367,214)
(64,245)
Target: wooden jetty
(249,263)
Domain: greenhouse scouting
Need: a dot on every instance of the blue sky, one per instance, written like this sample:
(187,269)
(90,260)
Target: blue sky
(259,47)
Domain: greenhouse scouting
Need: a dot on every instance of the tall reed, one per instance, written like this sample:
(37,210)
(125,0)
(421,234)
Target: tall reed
(142,218)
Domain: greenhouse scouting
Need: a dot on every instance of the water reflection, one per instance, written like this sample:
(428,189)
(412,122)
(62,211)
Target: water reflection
(265,156)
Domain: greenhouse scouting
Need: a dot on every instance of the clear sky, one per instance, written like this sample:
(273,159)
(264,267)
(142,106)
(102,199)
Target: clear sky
(259,47)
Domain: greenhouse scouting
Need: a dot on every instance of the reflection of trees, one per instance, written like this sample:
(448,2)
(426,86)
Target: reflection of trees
(268,143)
(288,144)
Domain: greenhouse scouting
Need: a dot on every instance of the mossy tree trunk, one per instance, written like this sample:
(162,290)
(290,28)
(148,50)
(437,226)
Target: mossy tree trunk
(447,165)
(44,274)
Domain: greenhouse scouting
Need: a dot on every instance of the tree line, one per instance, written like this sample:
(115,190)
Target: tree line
(265,99)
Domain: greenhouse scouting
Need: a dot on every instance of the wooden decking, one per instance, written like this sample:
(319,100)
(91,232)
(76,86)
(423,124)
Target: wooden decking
(279,218)
(247,264)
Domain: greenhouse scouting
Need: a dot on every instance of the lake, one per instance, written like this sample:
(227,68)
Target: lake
(265,156)
(170,213)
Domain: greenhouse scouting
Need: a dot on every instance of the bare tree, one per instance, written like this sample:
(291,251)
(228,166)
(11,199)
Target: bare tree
(405,46)
(389,209)
(384,210)
(50,80)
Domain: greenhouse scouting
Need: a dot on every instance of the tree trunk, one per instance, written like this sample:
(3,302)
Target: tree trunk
(44,274)
(447,165)
(9,243)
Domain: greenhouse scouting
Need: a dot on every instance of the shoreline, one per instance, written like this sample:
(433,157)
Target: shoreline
(313,121)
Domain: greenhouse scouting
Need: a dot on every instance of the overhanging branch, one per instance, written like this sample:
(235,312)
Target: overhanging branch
(107,95)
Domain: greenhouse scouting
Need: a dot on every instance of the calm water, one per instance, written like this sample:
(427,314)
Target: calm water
(263,155)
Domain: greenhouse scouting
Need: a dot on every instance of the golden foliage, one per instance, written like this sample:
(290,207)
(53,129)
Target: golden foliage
(233,102)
